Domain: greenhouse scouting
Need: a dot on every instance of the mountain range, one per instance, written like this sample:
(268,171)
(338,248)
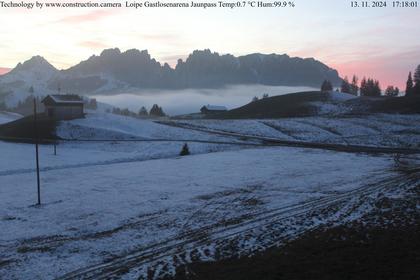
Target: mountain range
(116,71)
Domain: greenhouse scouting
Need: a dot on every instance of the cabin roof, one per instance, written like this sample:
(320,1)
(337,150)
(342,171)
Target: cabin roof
(63,99)
(215,108)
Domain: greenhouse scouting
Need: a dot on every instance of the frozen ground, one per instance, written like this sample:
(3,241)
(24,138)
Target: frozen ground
(110,211)
(102,126)
(6,117)
(390,130)
(95,214)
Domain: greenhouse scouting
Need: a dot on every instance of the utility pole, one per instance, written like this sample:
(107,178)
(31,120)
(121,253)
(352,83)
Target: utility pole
(37,154)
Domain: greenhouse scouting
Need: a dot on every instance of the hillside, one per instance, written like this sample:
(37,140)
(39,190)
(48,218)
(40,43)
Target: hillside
(24,129)
(115,206)
(6,117)
(313,103)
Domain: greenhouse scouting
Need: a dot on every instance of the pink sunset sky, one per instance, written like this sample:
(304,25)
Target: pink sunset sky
(378,43)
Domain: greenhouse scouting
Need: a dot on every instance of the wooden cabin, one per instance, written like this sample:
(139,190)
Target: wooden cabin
(63,107)
(212,109)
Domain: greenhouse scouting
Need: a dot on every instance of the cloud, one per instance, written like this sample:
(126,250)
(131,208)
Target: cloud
(159,37)
(88,17)
(172,59)
(93,45)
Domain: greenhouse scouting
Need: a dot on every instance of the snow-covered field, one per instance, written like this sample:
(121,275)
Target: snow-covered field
(110,211)
(6,117)
(378,130)
(102,126)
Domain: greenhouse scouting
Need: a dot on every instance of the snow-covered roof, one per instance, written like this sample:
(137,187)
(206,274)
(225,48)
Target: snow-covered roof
(65,98)
(215,108)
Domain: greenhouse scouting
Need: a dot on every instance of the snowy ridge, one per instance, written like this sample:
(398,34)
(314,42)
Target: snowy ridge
(6,117)
(36,73)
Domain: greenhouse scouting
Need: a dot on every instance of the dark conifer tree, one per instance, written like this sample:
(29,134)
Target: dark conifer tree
(345,85)
(156,111)
(409,85)
(143,112)
(370,87)
(363,87)
(354,88)
(326,86)
(391,91)
(185,150)
(416,78)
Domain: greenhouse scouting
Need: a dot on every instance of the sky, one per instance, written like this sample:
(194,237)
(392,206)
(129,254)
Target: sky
(381,43)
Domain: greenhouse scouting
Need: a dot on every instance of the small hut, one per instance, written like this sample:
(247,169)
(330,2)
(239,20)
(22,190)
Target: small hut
(63,107)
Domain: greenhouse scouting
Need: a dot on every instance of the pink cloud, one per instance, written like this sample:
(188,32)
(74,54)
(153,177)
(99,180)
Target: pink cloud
(93,45)
(91,16)
(4,70)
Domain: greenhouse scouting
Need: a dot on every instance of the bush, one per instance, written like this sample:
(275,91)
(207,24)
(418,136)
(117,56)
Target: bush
(185,150)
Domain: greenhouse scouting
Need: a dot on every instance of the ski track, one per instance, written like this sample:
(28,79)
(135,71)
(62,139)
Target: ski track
(218,235)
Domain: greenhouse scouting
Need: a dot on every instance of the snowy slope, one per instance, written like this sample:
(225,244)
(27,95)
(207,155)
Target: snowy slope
(109,127)
(35,72)
(98,125)
(381,129)
(94,214)
(108,201)
(6,117)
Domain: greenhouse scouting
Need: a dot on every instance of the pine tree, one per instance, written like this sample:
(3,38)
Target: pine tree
(391,91)
(370,87)
(185,150)
(156,111)
(326,86)
(363,87)
(143,112)
(354,88)
(345,85)
(416,88)
(409,85)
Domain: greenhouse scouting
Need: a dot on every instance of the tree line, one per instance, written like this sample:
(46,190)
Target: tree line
(371,87)
(155,111)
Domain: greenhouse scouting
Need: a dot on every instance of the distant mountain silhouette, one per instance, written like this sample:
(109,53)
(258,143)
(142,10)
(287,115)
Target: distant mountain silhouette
(35,64)
(114,70)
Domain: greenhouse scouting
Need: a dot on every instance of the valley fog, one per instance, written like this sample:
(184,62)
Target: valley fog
(177,102)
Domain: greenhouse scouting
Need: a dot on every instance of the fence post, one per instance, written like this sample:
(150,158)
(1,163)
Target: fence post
(37,154)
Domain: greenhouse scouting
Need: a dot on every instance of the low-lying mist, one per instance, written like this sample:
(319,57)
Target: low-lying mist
(177,102)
